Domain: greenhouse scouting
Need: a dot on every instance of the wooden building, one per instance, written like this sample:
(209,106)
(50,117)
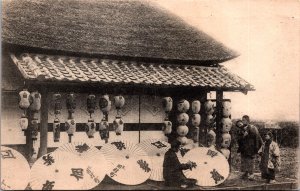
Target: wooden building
(129,48)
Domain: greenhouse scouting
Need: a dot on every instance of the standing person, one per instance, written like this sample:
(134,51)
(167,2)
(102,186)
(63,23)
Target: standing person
(270,158)
(249,142)
(172,168)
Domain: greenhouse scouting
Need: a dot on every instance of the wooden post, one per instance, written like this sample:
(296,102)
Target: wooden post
(44,124)
(219,99)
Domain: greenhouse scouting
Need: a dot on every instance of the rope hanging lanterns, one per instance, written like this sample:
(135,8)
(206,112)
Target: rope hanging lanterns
(105,106)
(71,123)
(210,122)
(90,126)
(226,127)
(196,120)
(118,123)
(24,103)
(167,103)
(182,118)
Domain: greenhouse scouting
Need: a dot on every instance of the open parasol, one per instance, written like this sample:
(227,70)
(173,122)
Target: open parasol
(156,150)
(15,170)
(130,164)
(211,169)
(80,168)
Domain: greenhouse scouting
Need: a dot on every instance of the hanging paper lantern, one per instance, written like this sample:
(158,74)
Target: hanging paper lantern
(226,105)
(196,133)
(118,125)
(209,120)
(103,130)
(35,128)
(167,127)
(196,105)
(57,103)
(226,140)
(91,103)
(24,99)
(56,130)
(71,102)
(70,127)
(196,119)
(119,101)
(211,138)
(182,140)
(90,128)
(105,103)
(167,104)
(182,130)
(35,98)
(209,107)
(23,122)
(182,118)
(226,125)
(183,106)
(225,152)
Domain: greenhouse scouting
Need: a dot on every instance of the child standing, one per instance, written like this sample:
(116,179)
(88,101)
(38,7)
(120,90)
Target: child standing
(270,158)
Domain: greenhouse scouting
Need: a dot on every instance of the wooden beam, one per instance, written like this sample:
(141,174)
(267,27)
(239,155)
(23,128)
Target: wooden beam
(44,123)
(219,99)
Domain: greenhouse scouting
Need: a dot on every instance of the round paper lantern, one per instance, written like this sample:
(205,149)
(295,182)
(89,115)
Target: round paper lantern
(167,104)
(209,120)
(209,107)
(196,105)
(182,140)
(118,126)
(23,122)
(35,101)
(105,103)
(182,118)
(226,140)
(182,130)
(90,128)
(24,99)
(226,108)
(119,101)
(183,106)
(167,127)
(211,138)
(226,125)
(225,152)
(196,119)
(70,126)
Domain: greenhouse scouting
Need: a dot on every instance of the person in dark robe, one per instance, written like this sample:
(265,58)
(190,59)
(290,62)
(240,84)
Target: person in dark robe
(172,168)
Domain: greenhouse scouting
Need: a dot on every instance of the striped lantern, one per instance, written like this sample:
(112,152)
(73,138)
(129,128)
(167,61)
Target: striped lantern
(226,125)
(226,140)
(183,106)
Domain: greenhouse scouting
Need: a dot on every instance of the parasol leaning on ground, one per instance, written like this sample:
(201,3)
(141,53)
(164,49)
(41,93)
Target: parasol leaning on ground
(15,170)
(130,164)
(211,168)
(156,150)
(72,166)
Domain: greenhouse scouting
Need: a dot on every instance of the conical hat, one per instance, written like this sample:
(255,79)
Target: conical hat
(130,164)
(69,167)
(15,170)
(156,150)
(212,167)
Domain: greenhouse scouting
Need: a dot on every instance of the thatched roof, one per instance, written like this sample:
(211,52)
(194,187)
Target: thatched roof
(106,27)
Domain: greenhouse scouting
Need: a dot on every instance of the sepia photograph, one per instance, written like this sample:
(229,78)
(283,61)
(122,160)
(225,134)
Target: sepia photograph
(150,95)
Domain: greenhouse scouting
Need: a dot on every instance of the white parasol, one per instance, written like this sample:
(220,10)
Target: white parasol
(73,166)
(212,167)
(15,170)
(130,164)
(156,150)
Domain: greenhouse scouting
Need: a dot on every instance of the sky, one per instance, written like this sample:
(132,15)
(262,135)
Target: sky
(266,34)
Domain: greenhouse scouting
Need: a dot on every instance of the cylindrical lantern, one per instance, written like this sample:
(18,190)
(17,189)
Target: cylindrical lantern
(24,99)
(226,125)
(57,103)
(209,107)
(196,119)
(71,102)
(91,103)
(103,130)
(226,107)
(90,128)
(182,118)
(196,106)
(167,127)
(226,140)
(56,130)
(118,125)
(183,106)
(167,104)
(104,103)
(70,127)
(119,101)
(35,98)
(225,152)
(23,122)
(182,130)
